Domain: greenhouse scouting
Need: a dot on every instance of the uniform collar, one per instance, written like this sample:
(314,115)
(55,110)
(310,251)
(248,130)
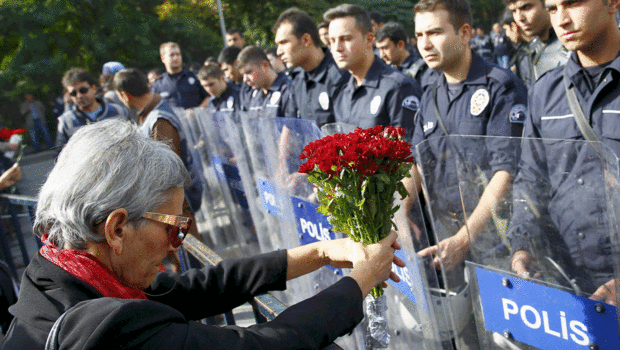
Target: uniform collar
(477,74)
(177,75)
(373,75)
(411,59)
(574,68)
(277,84)
(230,89)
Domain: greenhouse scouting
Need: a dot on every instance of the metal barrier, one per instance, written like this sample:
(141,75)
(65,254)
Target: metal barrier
(265,306)
(10,201)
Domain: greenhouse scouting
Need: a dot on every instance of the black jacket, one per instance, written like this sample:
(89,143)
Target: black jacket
(163,322)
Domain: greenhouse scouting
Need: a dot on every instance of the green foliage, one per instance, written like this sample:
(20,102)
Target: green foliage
(41,39)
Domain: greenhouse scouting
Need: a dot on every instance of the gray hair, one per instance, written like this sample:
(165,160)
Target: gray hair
(105,166)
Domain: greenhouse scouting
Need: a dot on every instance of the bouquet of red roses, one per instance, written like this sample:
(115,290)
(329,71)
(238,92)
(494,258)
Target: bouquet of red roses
(356,176)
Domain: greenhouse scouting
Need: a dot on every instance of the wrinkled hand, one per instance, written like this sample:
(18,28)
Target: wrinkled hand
(372,264)
(451,251)
(607,293)
(9,177)
(522,263)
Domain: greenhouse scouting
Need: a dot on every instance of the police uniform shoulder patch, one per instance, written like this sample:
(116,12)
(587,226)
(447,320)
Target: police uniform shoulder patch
(191,81)
(230,102)
(164,94)
(275,97)
(254,93)
(479,101)
(374,104)
(324,100)
(518,113)
(411,103)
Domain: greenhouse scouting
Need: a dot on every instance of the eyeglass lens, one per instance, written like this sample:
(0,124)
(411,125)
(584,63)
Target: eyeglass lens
(81,90)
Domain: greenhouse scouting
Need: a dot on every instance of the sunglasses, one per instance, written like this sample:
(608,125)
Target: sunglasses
(83,90)
(178,226)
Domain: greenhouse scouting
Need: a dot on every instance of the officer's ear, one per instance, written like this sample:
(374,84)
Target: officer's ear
(613,5)
(400,44)
(465,34)
(370,38)
(306,40)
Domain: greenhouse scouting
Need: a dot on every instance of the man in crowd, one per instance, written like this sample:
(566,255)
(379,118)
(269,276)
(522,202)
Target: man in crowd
(545,51)
(276,62)
(34,112)
(270,89)
(177,86)
(84,108)
(566,181)
(376,94)
(314,88)
(482,45)
(228,63)
(234,37)
(224,95)
(391,41)
(469,97)
(324,33)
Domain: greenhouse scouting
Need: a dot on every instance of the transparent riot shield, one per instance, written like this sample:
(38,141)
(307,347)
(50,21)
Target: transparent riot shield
(415,319)
(228,199)
(539,262)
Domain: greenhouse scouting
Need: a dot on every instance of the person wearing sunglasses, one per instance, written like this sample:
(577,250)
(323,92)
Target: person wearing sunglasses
(84,108)
(108,214)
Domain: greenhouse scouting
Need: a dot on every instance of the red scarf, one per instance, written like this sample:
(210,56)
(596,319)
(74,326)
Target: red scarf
(88,269)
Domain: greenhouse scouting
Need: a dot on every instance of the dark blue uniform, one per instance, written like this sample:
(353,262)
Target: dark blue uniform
(386,97)
(492,102)
(180,90)
(274,102)
(568,189)
(313,93)
(227,102)
(415,68)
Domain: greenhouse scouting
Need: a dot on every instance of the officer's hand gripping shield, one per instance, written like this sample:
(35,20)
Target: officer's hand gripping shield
(539,266)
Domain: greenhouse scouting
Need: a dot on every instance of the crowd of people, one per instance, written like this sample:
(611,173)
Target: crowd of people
(448,79)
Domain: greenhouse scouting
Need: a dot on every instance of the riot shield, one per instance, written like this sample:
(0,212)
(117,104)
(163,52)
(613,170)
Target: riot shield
(539,263)
(415,319)
(224,185)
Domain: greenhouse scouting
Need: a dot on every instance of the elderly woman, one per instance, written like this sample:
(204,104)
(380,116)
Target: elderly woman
(109,213)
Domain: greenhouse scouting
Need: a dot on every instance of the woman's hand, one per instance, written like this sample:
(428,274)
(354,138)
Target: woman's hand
(11,176)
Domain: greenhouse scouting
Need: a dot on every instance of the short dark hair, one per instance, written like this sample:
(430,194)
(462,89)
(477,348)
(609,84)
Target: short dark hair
(228,55)
(459,12)
(506,18)
(376,16)
(210,72)
(131,81)
(393,31)
(302,24)
(273,51)
(251,55)
(235,30)
(77,75)
(362,20)
(323,24)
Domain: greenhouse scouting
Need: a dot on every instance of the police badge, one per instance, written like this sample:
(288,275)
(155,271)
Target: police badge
(479,101)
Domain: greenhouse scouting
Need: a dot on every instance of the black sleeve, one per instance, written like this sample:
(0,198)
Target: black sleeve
(231,283)
(109,323)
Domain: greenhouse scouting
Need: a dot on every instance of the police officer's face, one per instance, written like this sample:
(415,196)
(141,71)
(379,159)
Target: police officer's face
(230,71)
(291,49)
(348,44)
(82,95)
(213,86)
(255,75)
(235,39)
(172,59)
(531,17)
(324,34)
(439,43)
(580,25)
(388,51)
